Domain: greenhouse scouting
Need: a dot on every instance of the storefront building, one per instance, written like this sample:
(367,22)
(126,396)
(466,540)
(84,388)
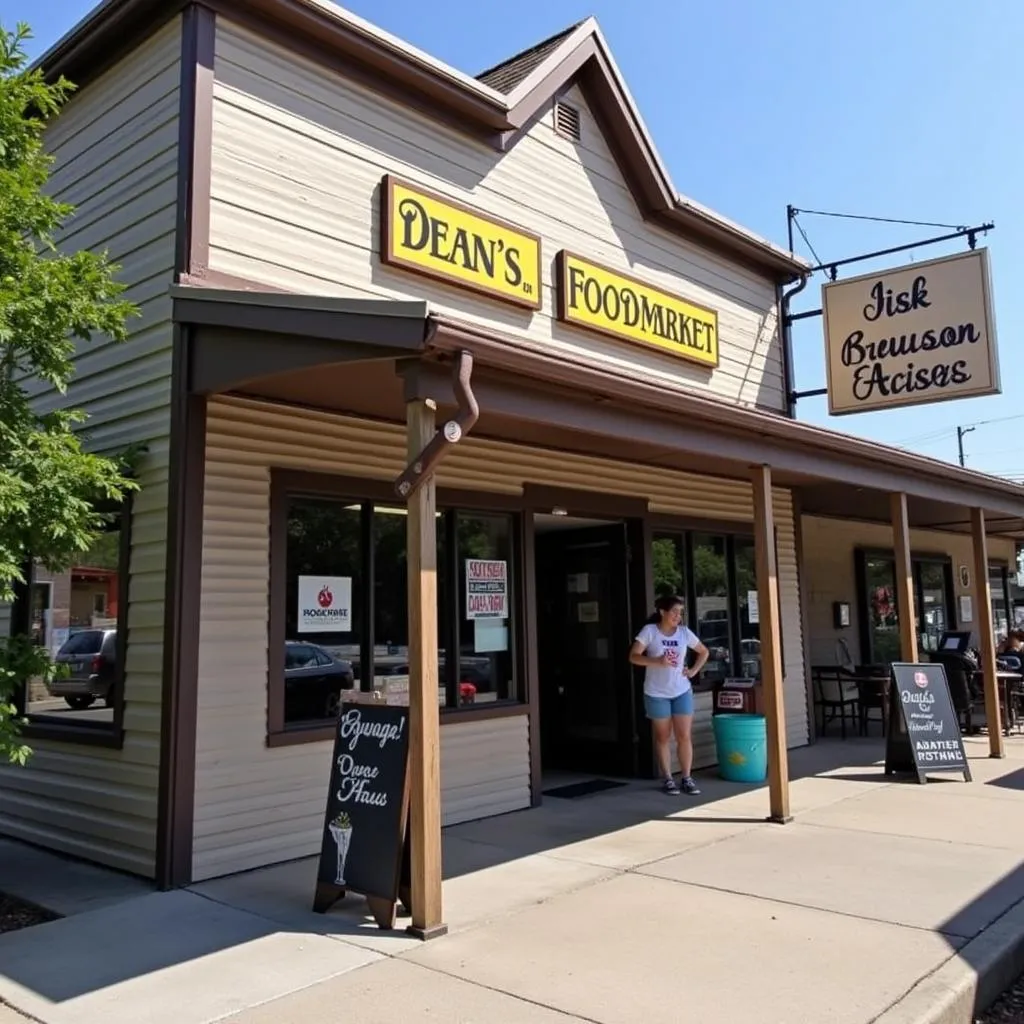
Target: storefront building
(316,221)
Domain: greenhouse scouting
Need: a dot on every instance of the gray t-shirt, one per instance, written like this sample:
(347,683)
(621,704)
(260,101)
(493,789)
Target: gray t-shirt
(666,681)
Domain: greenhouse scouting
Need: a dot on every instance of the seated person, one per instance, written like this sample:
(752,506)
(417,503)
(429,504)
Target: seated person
(1011,650)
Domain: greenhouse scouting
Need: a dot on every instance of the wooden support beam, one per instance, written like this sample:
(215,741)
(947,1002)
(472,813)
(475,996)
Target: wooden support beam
(424,721)
(904,573)
(986,634)
(771,644)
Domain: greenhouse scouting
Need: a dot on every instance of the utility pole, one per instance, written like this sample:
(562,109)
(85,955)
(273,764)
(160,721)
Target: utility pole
(960,431)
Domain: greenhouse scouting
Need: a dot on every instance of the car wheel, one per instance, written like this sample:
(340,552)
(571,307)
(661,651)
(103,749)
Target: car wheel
(79,703)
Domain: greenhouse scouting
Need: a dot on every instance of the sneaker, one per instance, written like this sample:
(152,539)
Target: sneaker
(689,787)
(670,786)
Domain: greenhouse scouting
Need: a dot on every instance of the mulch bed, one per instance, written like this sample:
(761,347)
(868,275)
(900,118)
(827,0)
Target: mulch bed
(1008,1009)
(15,914)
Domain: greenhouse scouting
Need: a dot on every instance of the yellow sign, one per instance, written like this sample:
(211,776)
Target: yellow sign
(605,300)
(452,243)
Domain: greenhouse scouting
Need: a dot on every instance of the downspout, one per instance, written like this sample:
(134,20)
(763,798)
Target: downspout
(453,431)
(788,371)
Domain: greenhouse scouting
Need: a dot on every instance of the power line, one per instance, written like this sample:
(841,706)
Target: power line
(1000,419)
(883,220)
(807,241)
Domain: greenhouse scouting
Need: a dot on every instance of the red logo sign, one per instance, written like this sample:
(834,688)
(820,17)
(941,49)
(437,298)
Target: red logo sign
(325,598)
(920,680)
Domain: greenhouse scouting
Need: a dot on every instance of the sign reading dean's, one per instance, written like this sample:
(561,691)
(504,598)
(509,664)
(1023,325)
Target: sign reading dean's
(626,308)
(910,336)
(436,236)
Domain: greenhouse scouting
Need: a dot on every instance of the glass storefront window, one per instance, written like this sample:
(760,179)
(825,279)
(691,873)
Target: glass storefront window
(932,616)
(998,587)
(485,587)
(346,620)
(324,609)
(75,617)
(711,605)
(883,617)
(749,609)
(668,561)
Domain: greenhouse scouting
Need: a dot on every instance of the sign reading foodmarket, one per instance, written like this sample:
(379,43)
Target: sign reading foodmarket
(430,234)
(911,336)
(625,308)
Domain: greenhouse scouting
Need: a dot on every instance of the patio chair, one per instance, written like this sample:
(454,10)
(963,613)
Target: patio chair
(835,693)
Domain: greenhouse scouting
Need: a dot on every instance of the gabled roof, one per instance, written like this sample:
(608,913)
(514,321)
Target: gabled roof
(509,73)
(498,105)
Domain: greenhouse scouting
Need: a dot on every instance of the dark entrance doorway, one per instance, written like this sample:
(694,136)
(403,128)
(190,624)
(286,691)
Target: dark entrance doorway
(587,700)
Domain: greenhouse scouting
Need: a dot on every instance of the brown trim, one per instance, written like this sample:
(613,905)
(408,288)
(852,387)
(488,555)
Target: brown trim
(482,712)
(195,142)
(179,713)
(588,504)
(391,69)
(564,316)
(698,524)
(390,257)
(745,435)
(530,662)
(325,733)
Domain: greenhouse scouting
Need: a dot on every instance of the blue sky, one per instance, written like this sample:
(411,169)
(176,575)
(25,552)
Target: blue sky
(907,109)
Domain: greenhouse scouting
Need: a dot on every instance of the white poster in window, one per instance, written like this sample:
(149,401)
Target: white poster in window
(486,589)
(588,611)
(579,583)
(325,604)
(489,636)
(753,609)
(966,608)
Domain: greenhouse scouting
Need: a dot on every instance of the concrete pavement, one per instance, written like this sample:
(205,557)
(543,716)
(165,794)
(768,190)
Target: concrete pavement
(882,901)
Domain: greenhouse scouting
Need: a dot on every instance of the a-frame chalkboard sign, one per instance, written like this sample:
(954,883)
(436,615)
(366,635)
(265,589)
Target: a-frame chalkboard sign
(365,841)
(924,729)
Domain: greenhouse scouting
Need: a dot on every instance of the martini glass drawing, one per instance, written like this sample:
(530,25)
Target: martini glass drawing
(341,832)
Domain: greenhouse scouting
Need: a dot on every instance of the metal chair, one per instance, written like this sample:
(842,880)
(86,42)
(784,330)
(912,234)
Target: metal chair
(835,693)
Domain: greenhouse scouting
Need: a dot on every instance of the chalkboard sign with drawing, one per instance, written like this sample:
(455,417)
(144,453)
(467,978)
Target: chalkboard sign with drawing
(365,834)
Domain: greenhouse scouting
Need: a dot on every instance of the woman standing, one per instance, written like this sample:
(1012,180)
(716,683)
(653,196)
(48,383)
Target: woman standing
(661,648)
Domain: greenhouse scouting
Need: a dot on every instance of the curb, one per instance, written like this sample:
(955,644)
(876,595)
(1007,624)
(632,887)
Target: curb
(970,981)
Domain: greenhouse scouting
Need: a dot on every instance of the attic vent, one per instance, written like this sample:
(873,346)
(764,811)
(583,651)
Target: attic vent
(567,121)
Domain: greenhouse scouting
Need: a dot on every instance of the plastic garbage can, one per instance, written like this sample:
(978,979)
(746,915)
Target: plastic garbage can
(742,745)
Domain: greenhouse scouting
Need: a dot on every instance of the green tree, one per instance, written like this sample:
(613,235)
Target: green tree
(50,301)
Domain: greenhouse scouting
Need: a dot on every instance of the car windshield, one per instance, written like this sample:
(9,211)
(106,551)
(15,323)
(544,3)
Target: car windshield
(86,642)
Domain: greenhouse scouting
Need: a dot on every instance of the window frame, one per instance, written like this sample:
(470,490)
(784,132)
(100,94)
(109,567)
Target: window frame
(917,558)
(83,732)
(682,532)
(287,485)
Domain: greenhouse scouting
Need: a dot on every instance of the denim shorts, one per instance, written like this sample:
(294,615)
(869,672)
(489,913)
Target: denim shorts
(666,707)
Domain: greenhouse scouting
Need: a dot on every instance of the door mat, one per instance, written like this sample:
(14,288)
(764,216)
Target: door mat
(576,789)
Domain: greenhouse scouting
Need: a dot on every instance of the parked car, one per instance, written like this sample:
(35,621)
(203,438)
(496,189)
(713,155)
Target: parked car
(313,681)
(87,668)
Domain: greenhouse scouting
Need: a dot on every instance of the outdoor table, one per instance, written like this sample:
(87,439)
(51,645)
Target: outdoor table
(872,692)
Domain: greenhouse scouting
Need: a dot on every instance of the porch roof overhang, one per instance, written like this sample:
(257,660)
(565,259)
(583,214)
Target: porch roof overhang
(339,354)
(243,336)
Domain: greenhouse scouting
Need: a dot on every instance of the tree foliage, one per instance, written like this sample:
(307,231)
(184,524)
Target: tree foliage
(50,302)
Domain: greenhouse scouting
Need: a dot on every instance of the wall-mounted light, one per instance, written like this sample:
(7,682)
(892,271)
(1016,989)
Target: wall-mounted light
(559,511)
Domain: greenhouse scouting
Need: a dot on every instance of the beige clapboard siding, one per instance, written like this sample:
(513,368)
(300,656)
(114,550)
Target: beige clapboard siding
(829,554)
(116,156)
(255,805)
(299,152)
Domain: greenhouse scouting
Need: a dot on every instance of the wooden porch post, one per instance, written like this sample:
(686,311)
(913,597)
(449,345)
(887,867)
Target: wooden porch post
(986,638)
(771,644)
(904,573)
(424,720)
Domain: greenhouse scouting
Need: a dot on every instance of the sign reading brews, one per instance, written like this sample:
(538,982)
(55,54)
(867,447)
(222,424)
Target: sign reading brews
(432,235)
(626,308)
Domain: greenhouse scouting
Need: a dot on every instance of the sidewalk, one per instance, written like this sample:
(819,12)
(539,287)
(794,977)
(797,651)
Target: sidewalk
(879,902)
